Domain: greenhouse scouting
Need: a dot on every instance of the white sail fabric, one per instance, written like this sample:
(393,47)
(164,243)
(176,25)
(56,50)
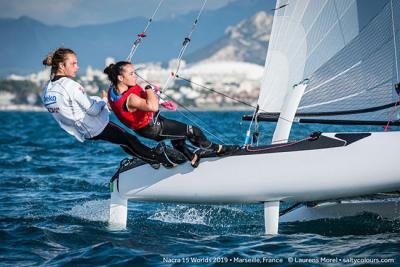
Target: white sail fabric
(305,35)
(360,77)
(348,50)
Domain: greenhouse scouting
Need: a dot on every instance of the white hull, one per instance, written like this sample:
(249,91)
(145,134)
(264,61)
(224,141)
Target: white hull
(367,166)
(388,209)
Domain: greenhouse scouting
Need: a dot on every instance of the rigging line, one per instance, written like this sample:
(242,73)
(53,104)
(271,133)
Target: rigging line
(248,132)
(277,146)
(197,19)
(204,129)
(141,35)
(215,91)
(394,41)
(181,53)
(256,133)
(192,114)
(391,114)
(185,44)
(198,118)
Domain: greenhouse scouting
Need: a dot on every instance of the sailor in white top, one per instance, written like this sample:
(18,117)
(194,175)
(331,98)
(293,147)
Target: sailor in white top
(78,114)
(87,117)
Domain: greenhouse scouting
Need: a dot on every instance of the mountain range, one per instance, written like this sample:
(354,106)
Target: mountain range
(25,41)
(247,41)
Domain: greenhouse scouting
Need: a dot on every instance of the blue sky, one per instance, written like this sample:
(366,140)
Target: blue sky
(81,12)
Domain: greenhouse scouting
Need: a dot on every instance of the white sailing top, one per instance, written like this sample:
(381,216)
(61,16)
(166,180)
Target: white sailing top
(77,113)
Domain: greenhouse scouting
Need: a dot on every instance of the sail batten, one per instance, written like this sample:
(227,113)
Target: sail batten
(349,52)
(333,78)
(304,36)
(369,79)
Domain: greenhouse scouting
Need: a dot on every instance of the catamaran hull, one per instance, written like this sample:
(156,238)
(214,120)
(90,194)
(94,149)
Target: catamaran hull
(366,166)
(385,208)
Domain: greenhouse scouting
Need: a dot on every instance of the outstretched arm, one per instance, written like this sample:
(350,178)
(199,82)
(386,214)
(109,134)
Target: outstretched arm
(91,105)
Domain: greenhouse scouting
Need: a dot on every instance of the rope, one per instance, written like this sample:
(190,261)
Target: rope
(141,35)
(191,113)
(247,138)
(249,149)
(203,129)
(185,44)
(391,114)
(215,91)
(256,133)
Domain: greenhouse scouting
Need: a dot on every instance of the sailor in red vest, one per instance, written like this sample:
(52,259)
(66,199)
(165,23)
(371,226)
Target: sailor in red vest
(136,108)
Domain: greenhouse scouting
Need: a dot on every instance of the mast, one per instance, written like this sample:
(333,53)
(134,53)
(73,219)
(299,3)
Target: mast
(305,35)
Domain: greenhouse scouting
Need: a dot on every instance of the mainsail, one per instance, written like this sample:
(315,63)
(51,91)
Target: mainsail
(348,50)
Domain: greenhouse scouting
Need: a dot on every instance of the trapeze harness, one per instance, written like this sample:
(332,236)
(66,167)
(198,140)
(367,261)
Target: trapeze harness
(134,120)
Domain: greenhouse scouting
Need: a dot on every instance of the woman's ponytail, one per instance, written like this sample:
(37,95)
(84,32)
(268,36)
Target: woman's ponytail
(113,70)
(56,57)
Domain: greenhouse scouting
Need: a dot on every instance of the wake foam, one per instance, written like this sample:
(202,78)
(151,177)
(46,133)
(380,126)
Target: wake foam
(94,210)
(181,214)
(200,215)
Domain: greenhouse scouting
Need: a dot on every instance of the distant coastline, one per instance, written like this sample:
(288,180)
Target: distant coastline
(22,108)
(33,108)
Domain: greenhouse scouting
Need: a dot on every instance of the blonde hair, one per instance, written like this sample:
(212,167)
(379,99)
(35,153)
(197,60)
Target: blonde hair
(56,57)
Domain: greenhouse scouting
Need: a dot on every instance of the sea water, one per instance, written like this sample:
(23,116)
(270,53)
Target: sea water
(54,207)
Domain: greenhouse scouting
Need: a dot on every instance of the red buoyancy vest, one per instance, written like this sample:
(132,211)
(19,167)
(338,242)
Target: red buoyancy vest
(134,120)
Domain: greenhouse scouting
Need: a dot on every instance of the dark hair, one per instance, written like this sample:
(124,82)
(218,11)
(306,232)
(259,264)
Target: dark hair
(113,70)
(56,57)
